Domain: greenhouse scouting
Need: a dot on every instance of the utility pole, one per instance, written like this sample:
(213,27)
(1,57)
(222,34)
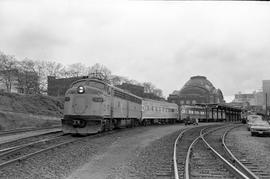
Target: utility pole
(265,105)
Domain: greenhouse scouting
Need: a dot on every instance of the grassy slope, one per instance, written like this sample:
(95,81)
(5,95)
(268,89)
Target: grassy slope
(18,111)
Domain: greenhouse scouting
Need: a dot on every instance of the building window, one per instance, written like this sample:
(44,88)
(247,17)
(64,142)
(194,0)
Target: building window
(182,102)
(193,101)
(187,102)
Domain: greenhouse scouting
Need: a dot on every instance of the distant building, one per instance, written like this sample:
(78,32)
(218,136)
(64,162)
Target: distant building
(174,97)
(139,91)
(259,98)
(134,89)
(244,98)
(58,87)
(266,92)
(249,101)
(197,90)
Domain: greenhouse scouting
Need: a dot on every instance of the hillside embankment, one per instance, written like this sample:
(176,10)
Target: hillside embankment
(22,111)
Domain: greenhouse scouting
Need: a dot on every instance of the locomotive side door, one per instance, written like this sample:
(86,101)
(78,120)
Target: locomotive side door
(127,112)
(111,93)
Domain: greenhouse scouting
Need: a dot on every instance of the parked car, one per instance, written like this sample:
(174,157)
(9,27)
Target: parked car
(251,119)
(191,121)
(260,127)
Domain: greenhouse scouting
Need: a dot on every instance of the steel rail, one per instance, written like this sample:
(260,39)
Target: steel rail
(242,167)
(232,168)
(35,153)
(28,137)
(4,133)
(15,148)
(176,175)
(190,149)
(188,157)
(51,147)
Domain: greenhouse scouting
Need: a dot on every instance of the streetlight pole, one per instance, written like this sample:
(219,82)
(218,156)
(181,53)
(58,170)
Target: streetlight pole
(265,105)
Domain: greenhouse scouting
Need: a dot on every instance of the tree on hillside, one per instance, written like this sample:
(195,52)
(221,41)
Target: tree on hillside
(98,68)
(77,69)
(148,87)
(28,77)
(158,92)
(53,68)
(45,69)
(8,70)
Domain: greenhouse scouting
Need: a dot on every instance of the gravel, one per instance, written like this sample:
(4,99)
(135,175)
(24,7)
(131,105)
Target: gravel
(143,152)
(256,149)
(155,160)
(123,146)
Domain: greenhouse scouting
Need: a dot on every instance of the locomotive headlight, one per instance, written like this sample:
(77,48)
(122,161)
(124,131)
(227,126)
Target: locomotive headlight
(80,89)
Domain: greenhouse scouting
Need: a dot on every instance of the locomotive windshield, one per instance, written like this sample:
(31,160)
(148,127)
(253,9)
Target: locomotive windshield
(94,84)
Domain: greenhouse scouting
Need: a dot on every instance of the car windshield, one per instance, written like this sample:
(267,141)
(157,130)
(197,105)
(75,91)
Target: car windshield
(260,123)
(253,118)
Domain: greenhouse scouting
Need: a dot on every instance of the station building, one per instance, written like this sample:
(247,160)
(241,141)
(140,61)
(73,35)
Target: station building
(197,90)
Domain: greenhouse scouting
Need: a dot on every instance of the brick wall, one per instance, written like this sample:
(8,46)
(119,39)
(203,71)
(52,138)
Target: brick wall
(58,87)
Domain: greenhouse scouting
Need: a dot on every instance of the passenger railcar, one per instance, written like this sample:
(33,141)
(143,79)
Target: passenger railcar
(192,112)
(159,112)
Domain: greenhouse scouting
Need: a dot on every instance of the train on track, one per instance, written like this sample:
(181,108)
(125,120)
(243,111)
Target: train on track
(93,105)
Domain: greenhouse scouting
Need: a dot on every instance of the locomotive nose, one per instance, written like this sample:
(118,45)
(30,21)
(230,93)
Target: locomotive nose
(87,100)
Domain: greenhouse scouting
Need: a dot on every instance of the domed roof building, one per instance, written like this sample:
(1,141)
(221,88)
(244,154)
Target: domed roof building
(197,90)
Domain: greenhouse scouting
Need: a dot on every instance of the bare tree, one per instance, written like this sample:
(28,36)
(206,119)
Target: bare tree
(76,69)
(28,77)
(148,87)
(98,68)
(8,70)
(45,69)
(53,68)
(116,80)
(158,92)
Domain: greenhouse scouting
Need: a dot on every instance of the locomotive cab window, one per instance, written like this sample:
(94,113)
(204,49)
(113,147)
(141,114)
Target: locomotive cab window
(79,83)
(96,85)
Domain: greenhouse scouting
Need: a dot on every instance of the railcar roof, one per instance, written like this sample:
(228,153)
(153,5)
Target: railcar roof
(152,100)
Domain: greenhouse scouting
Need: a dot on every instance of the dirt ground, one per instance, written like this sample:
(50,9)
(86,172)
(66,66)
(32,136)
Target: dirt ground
(20,111)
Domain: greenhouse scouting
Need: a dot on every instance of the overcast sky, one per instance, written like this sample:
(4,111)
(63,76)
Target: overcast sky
(162,42)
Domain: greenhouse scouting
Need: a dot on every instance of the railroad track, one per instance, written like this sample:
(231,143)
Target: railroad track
(195,158)
(182,148)
(249,166)
(23,152)
(15,131)
(27,141)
